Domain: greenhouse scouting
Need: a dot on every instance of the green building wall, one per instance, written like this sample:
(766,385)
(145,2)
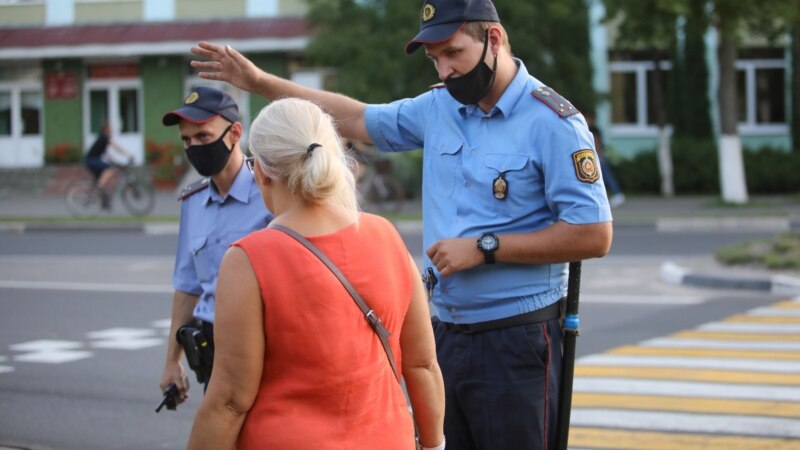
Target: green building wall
(273,63)
(162,86)
(63,118)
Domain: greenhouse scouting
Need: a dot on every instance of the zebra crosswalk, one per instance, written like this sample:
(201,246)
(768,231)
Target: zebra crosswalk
(732,384)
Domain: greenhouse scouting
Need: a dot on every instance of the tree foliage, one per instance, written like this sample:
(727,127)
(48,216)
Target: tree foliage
(363,41)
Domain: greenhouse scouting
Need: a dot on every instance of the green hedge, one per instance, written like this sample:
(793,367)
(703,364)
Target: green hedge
(696,170)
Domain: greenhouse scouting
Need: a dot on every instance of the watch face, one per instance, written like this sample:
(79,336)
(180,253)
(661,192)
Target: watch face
(489,243)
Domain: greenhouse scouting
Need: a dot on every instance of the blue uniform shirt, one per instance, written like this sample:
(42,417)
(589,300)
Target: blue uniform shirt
(209,225)
(465,150)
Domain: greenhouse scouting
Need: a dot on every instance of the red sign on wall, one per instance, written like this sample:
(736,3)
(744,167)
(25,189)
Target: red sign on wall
(60,85)
(113,71)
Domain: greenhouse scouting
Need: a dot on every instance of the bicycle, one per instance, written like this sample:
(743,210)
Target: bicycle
(84,198)
(378,190)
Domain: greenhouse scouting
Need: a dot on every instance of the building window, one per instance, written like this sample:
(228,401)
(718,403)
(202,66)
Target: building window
(5,114)
(129,110)
(30,109)
(761,93)
(633,88)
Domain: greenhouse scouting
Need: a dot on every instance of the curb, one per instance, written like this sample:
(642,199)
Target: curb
(153,229)
(776,284)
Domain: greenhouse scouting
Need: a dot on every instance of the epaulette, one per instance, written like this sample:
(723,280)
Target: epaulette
(436,86)
(554,101)
(193,188)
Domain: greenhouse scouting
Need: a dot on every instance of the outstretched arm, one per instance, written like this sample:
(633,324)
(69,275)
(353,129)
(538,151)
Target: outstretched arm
(224,63)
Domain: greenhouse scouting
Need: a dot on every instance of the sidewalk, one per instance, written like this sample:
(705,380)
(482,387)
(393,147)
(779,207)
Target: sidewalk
(20,213)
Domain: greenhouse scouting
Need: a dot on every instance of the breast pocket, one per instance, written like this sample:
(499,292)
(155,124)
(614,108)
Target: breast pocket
(445,165)
(517,187)
(201,255)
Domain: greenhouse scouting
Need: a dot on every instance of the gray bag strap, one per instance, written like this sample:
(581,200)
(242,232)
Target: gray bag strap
(372,318)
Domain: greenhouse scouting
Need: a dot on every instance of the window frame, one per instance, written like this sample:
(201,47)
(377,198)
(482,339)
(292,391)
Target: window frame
(749,67)
(640,68)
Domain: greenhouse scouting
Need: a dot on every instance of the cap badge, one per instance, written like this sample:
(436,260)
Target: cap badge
(585,166)
(428,11)
(192,98)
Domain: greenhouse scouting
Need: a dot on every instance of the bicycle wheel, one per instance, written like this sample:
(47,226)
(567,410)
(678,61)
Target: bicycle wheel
(83,199)
(138,197)
(386,194)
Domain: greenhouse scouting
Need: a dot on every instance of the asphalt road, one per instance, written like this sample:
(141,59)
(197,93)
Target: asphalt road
(83,330)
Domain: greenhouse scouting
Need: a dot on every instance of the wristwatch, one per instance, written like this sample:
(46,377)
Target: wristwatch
(488,243)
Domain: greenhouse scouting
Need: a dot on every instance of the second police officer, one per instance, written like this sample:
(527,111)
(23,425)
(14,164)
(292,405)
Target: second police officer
(217,210)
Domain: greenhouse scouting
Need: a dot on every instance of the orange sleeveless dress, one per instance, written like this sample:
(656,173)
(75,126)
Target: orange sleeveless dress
(327,382)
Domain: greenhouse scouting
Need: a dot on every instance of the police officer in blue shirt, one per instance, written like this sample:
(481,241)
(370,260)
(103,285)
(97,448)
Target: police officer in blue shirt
(511,193)
(215,211)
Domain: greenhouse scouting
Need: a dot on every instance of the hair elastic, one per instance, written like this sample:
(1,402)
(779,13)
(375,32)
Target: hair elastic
(311,148)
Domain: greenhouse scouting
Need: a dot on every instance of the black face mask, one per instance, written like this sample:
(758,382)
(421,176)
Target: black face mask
(471,87)
(209,159)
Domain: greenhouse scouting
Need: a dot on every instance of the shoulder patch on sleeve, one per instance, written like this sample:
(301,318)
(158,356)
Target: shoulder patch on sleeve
(193,188)
(554,101)
(436,86)
(585,166)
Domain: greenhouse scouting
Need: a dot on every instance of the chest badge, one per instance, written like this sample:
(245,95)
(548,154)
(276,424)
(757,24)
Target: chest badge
(500,187)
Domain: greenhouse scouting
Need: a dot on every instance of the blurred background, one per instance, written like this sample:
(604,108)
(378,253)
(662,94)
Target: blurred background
(691,97)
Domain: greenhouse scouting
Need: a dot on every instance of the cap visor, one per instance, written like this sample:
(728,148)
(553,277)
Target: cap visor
(433,35)
(193,115)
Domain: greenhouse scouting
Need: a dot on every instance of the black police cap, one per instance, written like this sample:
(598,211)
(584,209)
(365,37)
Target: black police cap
(440,19)
(202,105)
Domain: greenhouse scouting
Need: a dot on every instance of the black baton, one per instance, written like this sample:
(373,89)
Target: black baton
(571,331)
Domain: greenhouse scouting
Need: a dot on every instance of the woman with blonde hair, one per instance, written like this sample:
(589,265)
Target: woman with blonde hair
(297,364)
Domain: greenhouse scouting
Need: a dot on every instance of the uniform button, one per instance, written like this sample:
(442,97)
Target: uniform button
(473,152)
(452,310)
(466,184)
(219,240)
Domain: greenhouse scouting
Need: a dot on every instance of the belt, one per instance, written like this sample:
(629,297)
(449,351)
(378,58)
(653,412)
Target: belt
(549,312)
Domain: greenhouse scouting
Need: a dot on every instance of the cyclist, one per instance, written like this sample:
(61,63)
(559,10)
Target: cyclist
(97,161)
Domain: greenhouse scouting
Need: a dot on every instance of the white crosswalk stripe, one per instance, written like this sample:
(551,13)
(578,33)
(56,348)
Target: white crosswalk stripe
(755,365)
(689,423)
(740,387)
(747,327)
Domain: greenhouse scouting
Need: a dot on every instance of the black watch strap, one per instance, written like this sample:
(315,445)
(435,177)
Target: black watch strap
(488,257)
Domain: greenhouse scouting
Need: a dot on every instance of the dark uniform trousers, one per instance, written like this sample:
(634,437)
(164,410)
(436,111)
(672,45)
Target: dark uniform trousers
(501,385)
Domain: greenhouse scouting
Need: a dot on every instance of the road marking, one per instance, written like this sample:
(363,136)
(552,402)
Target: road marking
(687,404)
(770,311)
(50,351)
(649,440)
(80,286)
(690,423)
(717,335)
(5,369)
(776,366)
(720,344)
(125,338)
(762,319)
(643,299)
(700,353)
(685,388)
(752,327)
(684,374)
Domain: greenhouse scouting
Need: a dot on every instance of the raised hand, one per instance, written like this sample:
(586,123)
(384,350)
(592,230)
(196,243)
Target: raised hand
(223,63)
